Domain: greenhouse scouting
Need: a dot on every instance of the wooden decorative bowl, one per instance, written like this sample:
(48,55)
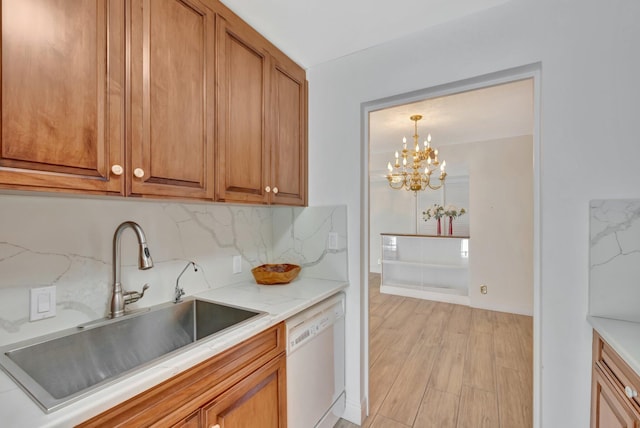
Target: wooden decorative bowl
(275,274)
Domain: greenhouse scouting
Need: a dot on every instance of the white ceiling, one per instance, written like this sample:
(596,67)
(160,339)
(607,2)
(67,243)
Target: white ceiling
(492,113)
(313,32)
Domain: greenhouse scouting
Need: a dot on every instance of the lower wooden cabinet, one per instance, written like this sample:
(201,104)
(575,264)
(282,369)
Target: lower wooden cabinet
(614,386)
(256,401)
(607,409)
(244,386)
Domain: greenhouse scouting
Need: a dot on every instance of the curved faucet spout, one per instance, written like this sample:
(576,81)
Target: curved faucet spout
(179,292)
(118,300)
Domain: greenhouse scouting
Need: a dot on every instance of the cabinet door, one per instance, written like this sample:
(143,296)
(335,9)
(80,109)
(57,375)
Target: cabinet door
(62,94)
(607,408)
(172,99)
(258,400)
(289,134)
(242,155)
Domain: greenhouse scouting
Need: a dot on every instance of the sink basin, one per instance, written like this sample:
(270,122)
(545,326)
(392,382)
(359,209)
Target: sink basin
(58,369)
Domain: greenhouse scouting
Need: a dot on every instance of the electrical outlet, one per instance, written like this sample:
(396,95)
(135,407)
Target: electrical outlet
(483,289)
(237,264)
(333,241)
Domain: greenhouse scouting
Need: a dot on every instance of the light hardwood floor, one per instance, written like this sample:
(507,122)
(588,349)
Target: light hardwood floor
(439,365)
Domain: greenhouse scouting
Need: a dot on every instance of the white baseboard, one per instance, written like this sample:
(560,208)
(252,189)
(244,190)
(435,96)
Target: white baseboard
(334,414)
(451,295)
(512,309)
(355,412)
(428,293)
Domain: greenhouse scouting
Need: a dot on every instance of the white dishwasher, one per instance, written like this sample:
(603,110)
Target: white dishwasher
(315,365)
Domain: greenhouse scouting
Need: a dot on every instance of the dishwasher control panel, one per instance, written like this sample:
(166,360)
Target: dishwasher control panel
(305,330)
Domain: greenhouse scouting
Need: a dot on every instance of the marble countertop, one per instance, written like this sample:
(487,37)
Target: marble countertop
(280,302)
(622,336)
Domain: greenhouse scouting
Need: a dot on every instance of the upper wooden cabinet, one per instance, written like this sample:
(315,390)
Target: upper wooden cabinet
(149,98)
(261,144)
(288,133)
(62,95)
(242,155)
(172,99)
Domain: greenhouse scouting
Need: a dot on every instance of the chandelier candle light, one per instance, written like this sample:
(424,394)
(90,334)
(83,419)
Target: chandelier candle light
(414,171)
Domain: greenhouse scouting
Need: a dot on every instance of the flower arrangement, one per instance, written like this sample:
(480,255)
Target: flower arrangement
(453,211)
(437,211)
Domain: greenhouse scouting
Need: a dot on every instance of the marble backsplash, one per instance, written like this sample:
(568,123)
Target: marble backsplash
(614,259)
(67,242)
(302,234)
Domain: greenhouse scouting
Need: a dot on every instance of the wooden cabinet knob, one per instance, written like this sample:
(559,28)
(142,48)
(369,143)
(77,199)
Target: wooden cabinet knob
(267,189)
(117,170)
(138,172)
(275,190)
(215,426)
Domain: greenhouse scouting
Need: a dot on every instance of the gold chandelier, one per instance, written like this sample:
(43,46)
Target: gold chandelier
(414,171)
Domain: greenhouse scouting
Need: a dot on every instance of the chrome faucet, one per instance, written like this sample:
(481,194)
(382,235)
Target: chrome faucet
(179,292)
(119,297)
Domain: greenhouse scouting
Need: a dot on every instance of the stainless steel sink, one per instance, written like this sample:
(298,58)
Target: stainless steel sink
(58,369)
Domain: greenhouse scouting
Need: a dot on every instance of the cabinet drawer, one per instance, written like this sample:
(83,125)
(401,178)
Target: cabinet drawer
(607,408)
(623,378)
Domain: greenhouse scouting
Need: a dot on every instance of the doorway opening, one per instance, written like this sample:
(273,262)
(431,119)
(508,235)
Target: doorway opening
(487,129)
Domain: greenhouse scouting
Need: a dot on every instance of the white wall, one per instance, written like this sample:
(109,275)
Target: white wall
(501,215)
(589,110)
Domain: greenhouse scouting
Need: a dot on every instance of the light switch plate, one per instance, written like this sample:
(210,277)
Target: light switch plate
(42,303)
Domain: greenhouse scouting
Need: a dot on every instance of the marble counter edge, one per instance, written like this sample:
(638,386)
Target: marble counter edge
(288,301)
(622,336)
